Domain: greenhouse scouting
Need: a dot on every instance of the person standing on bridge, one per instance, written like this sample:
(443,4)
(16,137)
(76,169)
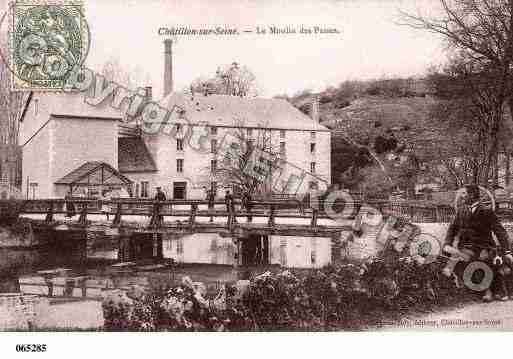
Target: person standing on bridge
(246,204)
(210,194)
(160,195)
(230,205)
(210,198)
(471,231)
(228,200)
(105,207)
(70,206)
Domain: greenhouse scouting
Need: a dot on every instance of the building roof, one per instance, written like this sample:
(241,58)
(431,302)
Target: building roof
(133,156)
(94,173)
(223,110)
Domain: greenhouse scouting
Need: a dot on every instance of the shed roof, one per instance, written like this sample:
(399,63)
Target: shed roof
(133,156)
(94,173)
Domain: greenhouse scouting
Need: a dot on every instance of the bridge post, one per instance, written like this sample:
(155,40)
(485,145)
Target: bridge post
(248,209)
(315,213)
(124,248)
(231,217)
(437,214)
(158,247)
(271,221)
(82,219)
(192,217)
(156,220)
(336,248)
(49,214)
(117,217)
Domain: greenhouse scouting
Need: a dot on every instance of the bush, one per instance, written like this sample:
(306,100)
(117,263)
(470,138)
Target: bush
(345,296)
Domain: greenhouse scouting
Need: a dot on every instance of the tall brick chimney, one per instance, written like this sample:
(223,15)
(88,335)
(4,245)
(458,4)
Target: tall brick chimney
(148,93)
(314,110)
(168,66)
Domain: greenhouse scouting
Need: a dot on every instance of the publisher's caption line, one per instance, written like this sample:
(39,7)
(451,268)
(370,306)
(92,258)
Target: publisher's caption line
(258,30)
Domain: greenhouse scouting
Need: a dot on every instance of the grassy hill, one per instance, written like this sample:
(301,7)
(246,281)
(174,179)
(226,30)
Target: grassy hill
(368,115)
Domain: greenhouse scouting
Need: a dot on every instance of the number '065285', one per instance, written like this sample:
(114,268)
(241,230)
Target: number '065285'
(34,348)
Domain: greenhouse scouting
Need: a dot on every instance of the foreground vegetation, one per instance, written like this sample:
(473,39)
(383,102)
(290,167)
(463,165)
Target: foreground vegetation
(342,297)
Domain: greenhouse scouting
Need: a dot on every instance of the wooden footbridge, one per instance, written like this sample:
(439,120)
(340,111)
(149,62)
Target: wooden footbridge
(142,223)
(182,216)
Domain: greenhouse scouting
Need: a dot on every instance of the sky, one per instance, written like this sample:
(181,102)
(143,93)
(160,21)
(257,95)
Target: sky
(370,43)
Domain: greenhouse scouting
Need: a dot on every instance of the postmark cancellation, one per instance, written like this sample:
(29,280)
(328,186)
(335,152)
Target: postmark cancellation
(47,41)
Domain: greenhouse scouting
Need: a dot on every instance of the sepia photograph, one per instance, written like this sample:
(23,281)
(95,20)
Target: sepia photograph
(255,166)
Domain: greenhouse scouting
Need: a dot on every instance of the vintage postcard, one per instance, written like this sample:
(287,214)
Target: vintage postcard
(256,166)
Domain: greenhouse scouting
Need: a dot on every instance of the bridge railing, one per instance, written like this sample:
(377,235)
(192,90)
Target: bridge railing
(413,211)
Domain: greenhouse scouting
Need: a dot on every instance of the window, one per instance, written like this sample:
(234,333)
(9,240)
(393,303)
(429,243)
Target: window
(250,132)
(312,167)
(178,127)
(312,148)
(313,185)
(312,135)
(179,190)
(213,187)
(213,166)
(144,189)
(179,246)
(282,149)
(179,165)
(282,133)
(213,146)
(213,130)
(179,144)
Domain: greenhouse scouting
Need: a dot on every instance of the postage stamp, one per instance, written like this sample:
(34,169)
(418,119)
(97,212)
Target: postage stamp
(48,40)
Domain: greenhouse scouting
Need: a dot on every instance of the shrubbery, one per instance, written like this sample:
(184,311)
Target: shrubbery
(335,298)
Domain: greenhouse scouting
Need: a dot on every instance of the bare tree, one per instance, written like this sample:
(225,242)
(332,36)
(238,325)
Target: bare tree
(480,34)
(233,80)
(131,78)
(10,105)
(245,161)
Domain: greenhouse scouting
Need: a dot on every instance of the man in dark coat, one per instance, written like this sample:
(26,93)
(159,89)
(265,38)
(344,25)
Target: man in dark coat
(228,200)
(472,229)
(230,205)
(160,195)
(246,204)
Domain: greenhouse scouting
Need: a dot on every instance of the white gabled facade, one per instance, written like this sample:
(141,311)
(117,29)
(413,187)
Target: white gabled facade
(307,144)
(58,133)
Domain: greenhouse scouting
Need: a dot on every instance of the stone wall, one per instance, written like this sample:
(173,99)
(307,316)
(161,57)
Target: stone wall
(20,311)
